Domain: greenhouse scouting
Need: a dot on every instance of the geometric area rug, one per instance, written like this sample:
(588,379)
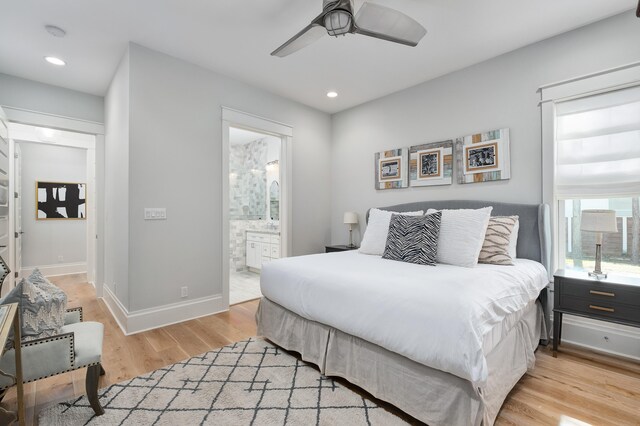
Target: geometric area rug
(247,383)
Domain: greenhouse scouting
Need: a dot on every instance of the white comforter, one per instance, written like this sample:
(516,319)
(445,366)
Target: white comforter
(436,316)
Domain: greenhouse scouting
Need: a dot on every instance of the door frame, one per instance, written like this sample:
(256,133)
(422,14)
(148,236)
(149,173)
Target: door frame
(243,120)
(23,116)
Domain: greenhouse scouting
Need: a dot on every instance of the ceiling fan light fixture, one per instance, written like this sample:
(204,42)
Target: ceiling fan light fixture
(338,22)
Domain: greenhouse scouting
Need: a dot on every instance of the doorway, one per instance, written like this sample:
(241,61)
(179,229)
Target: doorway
(256,200)
(55,217)
(254,209)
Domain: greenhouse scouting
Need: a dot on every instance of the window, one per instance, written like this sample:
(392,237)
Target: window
(620,251)
(597,166)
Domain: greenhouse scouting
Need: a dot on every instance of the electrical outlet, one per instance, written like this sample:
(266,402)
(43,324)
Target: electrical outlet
(184,292)
(60,258)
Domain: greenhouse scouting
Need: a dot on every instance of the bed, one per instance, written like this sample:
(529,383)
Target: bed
(444,344)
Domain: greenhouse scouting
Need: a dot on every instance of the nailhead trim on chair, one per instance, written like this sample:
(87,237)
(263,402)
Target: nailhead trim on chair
(51,375)
(79,308)
(70,336)
(72,354)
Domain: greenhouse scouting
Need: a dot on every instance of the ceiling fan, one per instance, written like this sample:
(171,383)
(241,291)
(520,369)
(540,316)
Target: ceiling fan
(337,18)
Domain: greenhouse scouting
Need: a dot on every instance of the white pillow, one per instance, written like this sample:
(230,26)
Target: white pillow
(375,236)
(513,240)
(461,236)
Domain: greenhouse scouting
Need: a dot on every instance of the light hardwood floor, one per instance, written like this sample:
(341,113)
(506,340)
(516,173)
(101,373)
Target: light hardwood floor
(579,384)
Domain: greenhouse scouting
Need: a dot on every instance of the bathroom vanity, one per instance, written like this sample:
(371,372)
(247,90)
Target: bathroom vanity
(262,247)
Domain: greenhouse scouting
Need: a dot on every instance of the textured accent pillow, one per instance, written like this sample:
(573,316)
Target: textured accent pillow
(375,236)
(495,249)
(513,240)
(461,235)
(42,307)
(413,239)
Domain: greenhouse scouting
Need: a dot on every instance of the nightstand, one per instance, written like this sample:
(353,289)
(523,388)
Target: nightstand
(613,299)
(332,249)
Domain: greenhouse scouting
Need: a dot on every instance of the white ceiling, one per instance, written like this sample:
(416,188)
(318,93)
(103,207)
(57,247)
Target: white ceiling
(235,37)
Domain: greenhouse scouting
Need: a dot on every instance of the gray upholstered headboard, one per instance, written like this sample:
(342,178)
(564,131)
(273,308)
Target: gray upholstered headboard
(534,236)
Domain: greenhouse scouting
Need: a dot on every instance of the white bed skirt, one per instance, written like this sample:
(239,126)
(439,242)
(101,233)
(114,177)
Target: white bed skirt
(429,395)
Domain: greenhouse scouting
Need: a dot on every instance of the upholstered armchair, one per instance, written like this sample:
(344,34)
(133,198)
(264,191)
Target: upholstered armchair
(78,345)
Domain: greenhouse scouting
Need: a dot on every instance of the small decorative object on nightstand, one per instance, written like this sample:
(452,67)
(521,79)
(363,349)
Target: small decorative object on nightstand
(598,221)
(613,299)
(351,218)
(331,249)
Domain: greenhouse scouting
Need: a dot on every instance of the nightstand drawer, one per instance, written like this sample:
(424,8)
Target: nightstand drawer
(601,292)
(598,308)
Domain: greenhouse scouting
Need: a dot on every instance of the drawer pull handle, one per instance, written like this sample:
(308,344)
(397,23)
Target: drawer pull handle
(602,293)
(600,308)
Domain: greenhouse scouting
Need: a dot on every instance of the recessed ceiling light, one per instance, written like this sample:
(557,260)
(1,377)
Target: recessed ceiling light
(55,61)
(332,94)
(55,31)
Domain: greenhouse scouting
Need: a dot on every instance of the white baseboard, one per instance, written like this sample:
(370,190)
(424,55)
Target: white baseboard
(118,311)
(601,336)
(148,319)
(57,269)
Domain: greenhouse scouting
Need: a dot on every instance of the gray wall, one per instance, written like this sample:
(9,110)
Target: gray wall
(497,93)
(30,95)
(175,149)
(116,178)
(44,241)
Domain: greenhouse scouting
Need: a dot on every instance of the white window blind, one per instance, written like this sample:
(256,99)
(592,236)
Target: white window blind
(598,145)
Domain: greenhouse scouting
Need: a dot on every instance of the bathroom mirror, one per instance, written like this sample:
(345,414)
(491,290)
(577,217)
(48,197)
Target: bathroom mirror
(274,200)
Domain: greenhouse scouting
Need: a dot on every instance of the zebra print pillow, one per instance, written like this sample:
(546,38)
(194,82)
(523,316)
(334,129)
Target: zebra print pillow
(495,248)
(413,239)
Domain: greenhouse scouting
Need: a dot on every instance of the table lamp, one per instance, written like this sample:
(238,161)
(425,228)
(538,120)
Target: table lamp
(351,218)
(598,221)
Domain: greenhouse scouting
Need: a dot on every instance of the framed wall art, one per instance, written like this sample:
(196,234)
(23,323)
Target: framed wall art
(483,157)
(431,164)
(391,169)
(60,200)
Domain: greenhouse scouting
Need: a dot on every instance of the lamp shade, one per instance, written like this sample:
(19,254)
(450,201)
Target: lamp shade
(598,221)
(351,218)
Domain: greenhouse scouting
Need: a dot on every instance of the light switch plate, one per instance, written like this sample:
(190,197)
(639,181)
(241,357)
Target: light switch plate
(155,213)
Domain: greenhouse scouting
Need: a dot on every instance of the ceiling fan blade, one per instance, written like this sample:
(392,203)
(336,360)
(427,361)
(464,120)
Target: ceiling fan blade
(388,24)
(308,35)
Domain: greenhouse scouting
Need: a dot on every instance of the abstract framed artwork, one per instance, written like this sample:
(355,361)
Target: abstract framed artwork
(60,200)
(431,164)
(391,169)
(483,157)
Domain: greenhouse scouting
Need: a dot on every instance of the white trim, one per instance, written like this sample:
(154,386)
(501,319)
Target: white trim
(117,309)
(28,133)
(622,341)
(24,116)
(255,122)
(57,269)
(161,316)
(592,83)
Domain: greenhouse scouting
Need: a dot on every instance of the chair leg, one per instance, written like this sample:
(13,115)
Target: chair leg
(102,372)
(93,375)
